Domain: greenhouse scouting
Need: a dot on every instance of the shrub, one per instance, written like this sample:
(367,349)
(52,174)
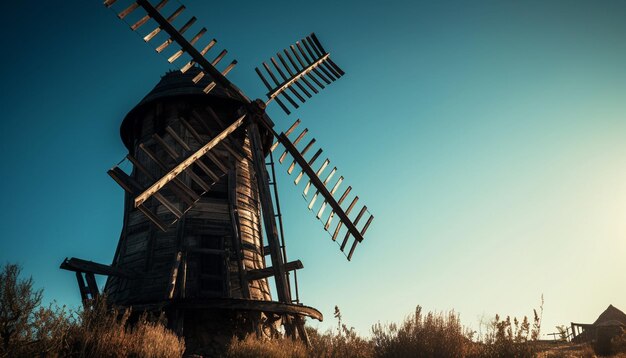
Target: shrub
(28,329)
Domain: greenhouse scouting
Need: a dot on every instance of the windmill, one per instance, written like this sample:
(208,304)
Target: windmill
(202,211)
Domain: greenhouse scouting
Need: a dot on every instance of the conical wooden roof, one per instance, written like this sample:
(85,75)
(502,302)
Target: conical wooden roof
(611,316)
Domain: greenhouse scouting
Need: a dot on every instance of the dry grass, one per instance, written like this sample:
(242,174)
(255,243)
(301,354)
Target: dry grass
(101,332)
(430,335)
(252,347)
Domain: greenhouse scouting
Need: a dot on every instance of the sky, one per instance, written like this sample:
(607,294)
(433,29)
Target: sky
(486,137)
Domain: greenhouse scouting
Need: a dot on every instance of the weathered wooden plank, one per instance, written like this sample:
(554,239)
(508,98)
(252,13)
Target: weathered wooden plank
(171,286)
(259,274)
(78,265)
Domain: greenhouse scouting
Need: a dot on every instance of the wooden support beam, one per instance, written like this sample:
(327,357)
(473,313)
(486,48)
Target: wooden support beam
(236,237)
(78,265)
(259,274)
(269,219)
(171,286)
(81,286)
(92,285)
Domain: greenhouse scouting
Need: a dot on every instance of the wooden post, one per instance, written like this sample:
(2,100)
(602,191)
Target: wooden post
(82,287)
(93,286)
(234,217)
(267,209)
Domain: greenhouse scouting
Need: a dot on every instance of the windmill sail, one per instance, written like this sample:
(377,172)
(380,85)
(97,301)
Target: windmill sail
(307,61)
(165,24)
(326,192)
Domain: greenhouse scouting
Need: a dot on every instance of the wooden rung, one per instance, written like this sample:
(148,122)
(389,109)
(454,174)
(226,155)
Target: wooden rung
(313,201)
(354,201)
(198,77)
(198,36)
(164,45)
(213,158)
(177,138)
(175,56)
(150,215)
(209,87)
(293,127)
(352,249)
(151,34)
(108,3)
(219,58)
(128,10)
(367,224)
(343,197)
(145,19)
(229,67)
(165,146)
(356,221)
(311,161)
(187,25)
(208,47)
(207,171)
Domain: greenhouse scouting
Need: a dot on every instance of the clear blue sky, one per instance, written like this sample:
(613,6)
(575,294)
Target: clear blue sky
(487,137)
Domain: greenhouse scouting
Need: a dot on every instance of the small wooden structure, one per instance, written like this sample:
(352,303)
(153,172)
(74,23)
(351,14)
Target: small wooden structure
(611,321)
(203,231)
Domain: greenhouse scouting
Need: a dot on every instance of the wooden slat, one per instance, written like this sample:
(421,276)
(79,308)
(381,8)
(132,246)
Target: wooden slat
(132,7)
(311,161)
(295,142)
(145,19)
(340,223)
(153,217)
(343,197)
(367,225)
(356,222)
(304,151)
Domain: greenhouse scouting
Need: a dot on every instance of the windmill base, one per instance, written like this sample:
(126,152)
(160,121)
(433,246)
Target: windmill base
(209,325)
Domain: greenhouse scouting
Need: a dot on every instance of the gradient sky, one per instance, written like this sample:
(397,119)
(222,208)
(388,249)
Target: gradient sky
(487,138)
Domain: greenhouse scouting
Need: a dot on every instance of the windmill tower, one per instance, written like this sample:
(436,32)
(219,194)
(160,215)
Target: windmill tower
(202,233)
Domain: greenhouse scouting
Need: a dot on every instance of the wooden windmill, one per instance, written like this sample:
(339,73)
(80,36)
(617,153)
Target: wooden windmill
(202,189)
